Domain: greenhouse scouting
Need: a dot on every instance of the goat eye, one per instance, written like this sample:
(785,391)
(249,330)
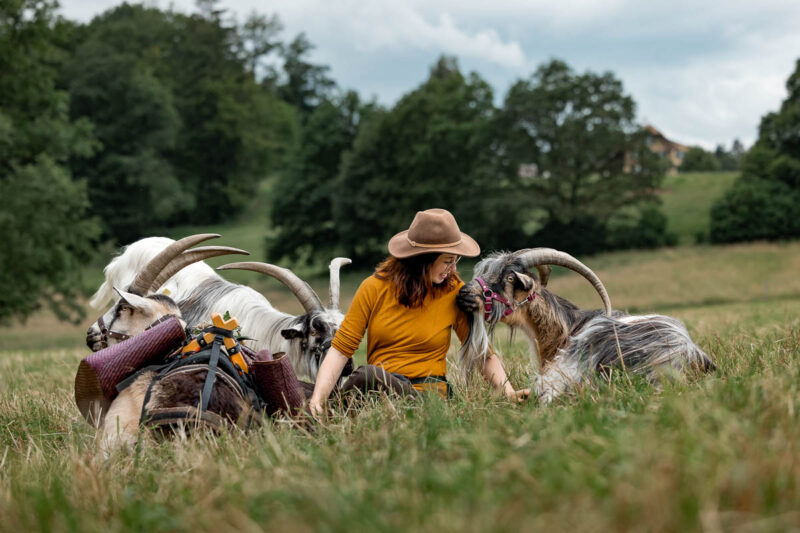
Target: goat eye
(510,278)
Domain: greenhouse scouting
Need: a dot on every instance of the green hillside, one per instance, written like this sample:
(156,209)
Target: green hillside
(687,200)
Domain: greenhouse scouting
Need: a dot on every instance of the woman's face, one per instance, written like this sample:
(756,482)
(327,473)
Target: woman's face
(442,267)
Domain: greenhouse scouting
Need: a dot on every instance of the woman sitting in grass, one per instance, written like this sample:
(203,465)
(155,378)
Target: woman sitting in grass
(408,309)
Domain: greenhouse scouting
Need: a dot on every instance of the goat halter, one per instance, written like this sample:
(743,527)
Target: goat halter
(107,333)
(489,295)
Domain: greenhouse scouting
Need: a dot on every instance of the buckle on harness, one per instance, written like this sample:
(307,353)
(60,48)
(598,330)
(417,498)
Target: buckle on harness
(490,295)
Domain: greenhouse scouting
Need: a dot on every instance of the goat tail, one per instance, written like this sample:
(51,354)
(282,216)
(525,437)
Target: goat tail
(104,294)
(475,347)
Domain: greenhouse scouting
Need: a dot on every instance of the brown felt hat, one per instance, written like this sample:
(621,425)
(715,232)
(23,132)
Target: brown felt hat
(433,231)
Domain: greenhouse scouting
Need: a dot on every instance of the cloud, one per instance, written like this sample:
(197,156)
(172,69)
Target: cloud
(391,26)
(716,97)
(702,71)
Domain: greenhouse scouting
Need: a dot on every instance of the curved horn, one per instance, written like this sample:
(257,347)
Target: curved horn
(533,257)
(192,256)
(333,295)
(300,288)
(144,280)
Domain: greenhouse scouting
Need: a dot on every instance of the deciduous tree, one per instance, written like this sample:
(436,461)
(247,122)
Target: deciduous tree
(46,236)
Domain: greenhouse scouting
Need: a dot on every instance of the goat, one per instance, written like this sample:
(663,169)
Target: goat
(568,343)
(137,310)
(199,292)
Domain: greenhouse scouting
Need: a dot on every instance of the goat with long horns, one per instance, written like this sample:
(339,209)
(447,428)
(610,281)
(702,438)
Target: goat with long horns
(567,343)
(140,307)
(156,267)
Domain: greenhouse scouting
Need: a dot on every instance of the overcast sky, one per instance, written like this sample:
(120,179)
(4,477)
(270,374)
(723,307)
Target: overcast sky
(702,72)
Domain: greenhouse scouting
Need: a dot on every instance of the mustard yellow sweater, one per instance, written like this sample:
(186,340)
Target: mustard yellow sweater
(411,342)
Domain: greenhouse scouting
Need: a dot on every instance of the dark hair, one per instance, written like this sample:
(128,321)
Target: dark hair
(411,278)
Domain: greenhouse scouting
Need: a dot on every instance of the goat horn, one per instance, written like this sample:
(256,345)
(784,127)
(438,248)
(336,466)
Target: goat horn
(144,280)
(333,296)
(533,257)
(308,298)
(192,256)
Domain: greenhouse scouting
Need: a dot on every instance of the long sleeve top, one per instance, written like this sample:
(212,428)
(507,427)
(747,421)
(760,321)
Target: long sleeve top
(408,341)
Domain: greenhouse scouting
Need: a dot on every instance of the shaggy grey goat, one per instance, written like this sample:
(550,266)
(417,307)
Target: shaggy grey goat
(569,344)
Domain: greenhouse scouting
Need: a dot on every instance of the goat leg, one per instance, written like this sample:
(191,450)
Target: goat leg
(120,428)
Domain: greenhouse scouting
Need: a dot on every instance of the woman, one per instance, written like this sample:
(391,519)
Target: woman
(408,309)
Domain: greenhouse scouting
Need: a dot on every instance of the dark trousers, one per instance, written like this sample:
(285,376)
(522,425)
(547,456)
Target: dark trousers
(374,378)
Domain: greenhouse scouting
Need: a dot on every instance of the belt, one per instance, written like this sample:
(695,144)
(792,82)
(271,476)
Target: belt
(438,383)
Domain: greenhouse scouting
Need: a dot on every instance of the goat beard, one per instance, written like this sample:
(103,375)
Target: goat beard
(476,347)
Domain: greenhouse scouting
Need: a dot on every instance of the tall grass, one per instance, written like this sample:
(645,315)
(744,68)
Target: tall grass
(714,453)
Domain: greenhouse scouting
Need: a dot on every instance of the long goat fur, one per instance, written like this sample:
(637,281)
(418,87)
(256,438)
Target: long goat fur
(567,344)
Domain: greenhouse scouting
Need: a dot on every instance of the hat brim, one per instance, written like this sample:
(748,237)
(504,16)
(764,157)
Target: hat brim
(400,247)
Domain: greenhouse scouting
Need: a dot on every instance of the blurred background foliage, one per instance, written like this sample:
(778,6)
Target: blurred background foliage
(144,120)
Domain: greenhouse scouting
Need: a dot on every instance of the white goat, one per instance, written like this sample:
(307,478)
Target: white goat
(199,292)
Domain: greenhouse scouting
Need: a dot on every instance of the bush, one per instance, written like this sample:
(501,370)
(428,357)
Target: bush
(756,209)
(583,235)
(697,159)
(649,230)
(764,203)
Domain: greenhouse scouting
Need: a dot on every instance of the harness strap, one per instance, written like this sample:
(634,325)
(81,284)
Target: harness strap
(217,365)
(107,333)
(211,377)
(489,295)
(165,369)
(127,382)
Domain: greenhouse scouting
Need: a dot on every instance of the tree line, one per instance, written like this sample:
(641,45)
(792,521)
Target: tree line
(561,163)
(146,118)
(138,120)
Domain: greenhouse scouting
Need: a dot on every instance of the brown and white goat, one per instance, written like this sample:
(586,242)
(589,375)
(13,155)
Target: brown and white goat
(567,343)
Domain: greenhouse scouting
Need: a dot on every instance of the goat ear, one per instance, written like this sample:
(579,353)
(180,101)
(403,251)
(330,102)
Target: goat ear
(526,281)
(292,333)
(143,304)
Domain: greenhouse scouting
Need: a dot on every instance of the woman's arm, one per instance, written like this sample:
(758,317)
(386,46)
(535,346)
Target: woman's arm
(328,375)
(495,374)
(492,369)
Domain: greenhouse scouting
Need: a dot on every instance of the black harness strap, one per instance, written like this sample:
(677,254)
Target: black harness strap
(213,358)
(127,382)
(211,377)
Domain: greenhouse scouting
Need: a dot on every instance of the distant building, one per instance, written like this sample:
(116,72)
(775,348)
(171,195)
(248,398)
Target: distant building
(670,150)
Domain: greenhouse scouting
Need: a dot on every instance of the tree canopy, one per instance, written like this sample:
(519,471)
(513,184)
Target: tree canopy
(764,202)
(572,148)
(187,133)
(46,234)
(563,162)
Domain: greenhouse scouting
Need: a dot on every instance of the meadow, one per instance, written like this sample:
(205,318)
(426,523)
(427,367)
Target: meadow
(712,453)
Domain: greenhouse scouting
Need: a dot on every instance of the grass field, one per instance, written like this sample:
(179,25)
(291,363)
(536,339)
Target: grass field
(687,200)
(714,453)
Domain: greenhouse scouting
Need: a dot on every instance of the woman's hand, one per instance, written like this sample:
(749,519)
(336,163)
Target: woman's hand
(316,409)
(519,396)
(327,376)
(469,298)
